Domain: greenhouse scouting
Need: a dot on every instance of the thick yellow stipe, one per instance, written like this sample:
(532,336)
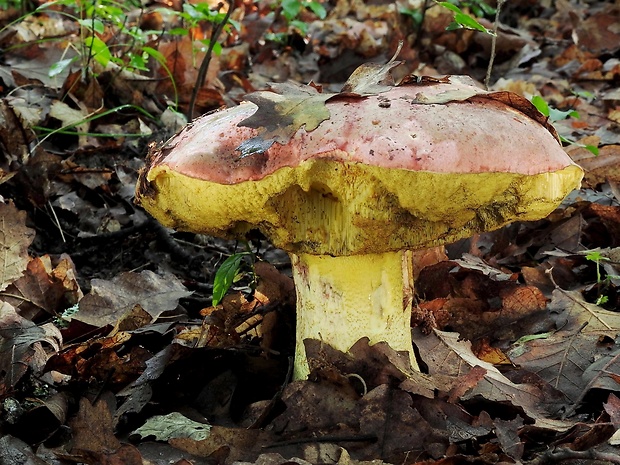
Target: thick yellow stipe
(342,299)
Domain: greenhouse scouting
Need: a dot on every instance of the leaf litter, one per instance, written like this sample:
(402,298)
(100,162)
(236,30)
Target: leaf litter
(106,322)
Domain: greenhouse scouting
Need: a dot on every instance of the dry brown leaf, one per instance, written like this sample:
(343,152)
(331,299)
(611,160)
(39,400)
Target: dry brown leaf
(448,358)
(21,347)
(45,290)
(109,301)
(226,444)
(15,238)
(565,357)
(94,440)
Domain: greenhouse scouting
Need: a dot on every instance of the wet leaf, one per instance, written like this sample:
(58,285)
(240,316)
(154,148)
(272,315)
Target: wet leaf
(281,113)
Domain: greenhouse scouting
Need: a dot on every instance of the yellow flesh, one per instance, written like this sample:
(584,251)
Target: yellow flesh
(355,208)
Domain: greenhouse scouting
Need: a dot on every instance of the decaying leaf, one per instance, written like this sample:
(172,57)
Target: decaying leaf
(173,425)
(449,358)
(15,238)
(21,346)
(109,301)
(93,436)
(46,288)
(289,106)
(281,113)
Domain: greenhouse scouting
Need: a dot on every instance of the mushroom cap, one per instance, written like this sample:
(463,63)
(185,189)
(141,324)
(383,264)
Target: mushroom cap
(412,167)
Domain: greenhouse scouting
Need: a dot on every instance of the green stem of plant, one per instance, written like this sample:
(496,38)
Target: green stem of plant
(204,66)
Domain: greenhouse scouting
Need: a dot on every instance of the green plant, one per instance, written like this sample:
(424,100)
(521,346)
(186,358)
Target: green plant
(558,115)
(230,272)
(603,283)
(463,20)
(292,8)
(193,14)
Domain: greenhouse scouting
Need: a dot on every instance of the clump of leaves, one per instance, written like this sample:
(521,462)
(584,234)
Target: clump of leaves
(292,8)
(193,15)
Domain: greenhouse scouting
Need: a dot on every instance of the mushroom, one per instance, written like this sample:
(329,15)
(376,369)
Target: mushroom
(421,164)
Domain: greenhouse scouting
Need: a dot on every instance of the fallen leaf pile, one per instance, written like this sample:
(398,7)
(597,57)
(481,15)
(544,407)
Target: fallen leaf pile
(110,349)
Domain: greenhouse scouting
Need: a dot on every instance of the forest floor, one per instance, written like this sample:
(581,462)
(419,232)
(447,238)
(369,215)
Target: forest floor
(110,349)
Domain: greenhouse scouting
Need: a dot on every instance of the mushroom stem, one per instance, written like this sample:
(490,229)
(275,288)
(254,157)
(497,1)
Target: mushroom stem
(342,299)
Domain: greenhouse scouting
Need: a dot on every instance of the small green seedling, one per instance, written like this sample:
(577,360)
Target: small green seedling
(292,8)
(596,257)
(227,274)
(463,20)
(558,115)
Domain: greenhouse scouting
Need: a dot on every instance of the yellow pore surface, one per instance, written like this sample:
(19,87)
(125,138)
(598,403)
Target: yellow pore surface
(326,207)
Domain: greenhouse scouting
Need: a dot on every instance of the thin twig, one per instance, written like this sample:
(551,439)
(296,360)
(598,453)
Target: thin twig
(204,66)
(62,234)
(487,79)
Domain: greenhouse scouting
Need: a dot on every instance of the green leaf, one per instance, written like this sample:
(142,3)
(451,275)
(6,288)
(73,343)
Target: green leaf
(596,256)
(463,20)
(450,6)
(301,26)
(92,25)
(100,50)
(159,57)
(559,115)
(178,31)
(217,47)
(318,9)
(137,61)
(593,149)
(540,104)
(58,67)
(225,276)
(291,8)
(468,22)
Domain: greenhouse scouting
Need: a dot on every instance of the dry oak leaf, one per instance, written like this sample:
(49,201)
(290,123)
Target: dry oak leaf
(109,301)
(15,238)
(450,358)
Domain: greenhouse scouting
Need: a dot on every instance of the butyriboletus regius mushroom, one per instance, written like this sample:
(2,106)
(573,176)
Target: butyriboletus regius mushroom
(391,170)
